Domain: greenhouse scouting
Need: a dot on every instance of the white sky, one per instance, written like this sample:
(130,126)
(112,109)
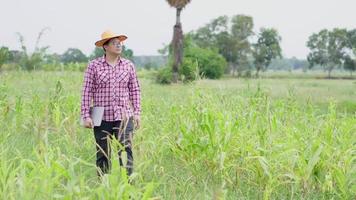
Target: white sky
(149,23)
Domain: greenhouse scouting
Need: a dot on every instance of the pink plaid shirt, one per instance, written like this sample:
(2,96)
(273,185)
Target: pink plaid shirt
(114,87)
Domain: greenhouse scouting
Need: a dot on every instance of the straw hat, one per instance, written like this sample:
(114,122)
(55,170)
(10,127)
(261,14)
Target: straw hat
(107,35)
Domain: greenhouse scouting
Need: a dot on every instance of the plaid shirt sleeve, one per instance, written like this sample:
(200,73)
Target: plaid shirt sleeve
(134,91)
(87,91)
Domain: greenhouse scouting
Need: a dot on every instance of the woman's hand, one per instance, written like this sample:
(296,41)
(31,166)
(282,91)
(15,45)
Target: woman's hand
(137,122)
(88,123)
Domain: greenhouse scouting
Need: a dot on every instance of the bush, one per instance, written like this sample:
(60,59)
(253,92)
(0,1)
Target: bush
(58,66)
(164,75)
(211,64)
(52,66)
(189,71)
(76,66)
(196,62)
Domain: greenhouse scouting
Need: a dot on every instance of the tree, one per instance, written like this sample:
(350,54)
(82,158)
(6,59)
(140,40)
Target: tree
(209,62)
(177,41)
(213,34)
(266,48)
(54,58)
(97,52)
(337,47)
(15,56)
(231,42)
(149,65)
(351,35)
(30,61)
(299,64)
(74,55)
(241,31)
(327,48)
(127,53)
(4,55)
(350,60)
(197,62)
(350,64)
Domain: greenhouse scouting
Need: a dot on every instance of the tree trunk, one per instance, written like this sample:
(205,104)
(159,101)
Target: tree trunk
(232,69)
(330,68)
(257,71)
(177,44)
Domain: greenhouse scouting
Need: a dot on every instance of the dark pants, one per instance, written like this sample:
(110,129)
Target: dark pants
(123,132)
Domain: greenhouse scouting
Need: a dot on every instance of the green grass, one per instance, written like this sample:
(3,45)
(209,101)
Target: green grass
(227,139)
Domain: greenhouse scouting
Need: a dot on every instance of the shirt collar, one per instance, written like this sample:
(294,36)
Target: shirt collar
(103,60)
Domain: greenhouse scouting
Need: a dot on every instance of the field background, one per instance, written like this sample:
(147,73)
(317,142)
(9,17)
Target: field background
(282,136)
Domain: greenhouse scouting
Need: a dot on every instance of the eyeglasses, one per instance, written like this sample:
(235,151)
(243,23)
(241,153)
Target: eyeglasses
(116,44)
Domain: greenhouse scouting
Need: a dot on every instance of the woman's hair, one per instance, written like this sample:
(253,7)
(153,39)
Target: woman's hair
(107,42)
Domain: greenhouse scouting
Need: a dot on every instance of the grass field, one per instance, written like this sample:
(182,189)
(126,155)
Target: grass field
(289,138)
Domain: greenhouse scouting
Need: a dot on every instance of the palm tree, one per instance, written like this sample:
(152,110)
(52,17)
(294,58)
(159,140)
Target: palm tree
(177,41)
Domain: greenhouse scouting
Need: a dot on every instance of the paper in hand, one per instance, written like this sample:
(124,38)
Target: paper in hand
(96,115)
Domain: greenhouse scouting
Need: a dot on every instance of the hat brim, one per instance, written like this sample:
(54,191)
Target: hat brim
(100,43)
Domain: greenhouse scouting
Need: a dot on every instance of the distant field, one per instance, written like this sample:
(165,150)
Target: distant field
(281,137)
(310,74)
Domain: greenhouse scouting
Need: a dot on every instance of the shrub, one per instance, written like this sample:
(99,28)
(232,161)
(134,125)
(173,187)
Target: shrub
(211,64)
(189,70)
(164,75)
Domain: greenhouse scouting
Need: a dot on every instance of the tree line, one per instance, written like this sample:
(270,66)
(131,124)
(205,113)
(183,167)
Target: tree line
(225,45)
(245,51)
(39,57)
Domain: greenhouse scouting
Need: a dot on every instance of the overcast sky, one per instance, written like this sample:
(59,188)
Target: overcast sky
(148,23)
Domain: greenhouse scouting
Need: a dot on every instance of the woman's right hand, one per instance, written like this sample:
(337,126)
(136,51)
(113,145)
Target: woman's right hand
(88,123)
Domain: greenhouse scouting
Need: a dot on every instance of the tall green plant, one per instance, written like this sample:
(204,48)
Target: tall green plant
(32,60)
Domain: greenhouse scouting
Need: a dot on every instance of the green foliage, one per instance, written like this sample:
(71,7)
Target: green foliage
(34,61)
(73,55)
(64,67)
(98,52)
(76,66)
(4,55)
(30,61)
(233,43)
(211,64)
(15,56)
(149,65)
(226,139)
(197,62)
(350,64)
(350,58)
(164,75)
(266,48)
(52,58)
(317,43)
(189,70)
(213,34)
(127,53)
(351,34)
(241,32)
(328,48)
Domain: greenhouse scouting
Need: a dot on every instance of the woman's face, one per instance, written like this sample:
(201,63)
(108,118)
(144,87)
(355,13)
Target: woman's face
(114,46)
